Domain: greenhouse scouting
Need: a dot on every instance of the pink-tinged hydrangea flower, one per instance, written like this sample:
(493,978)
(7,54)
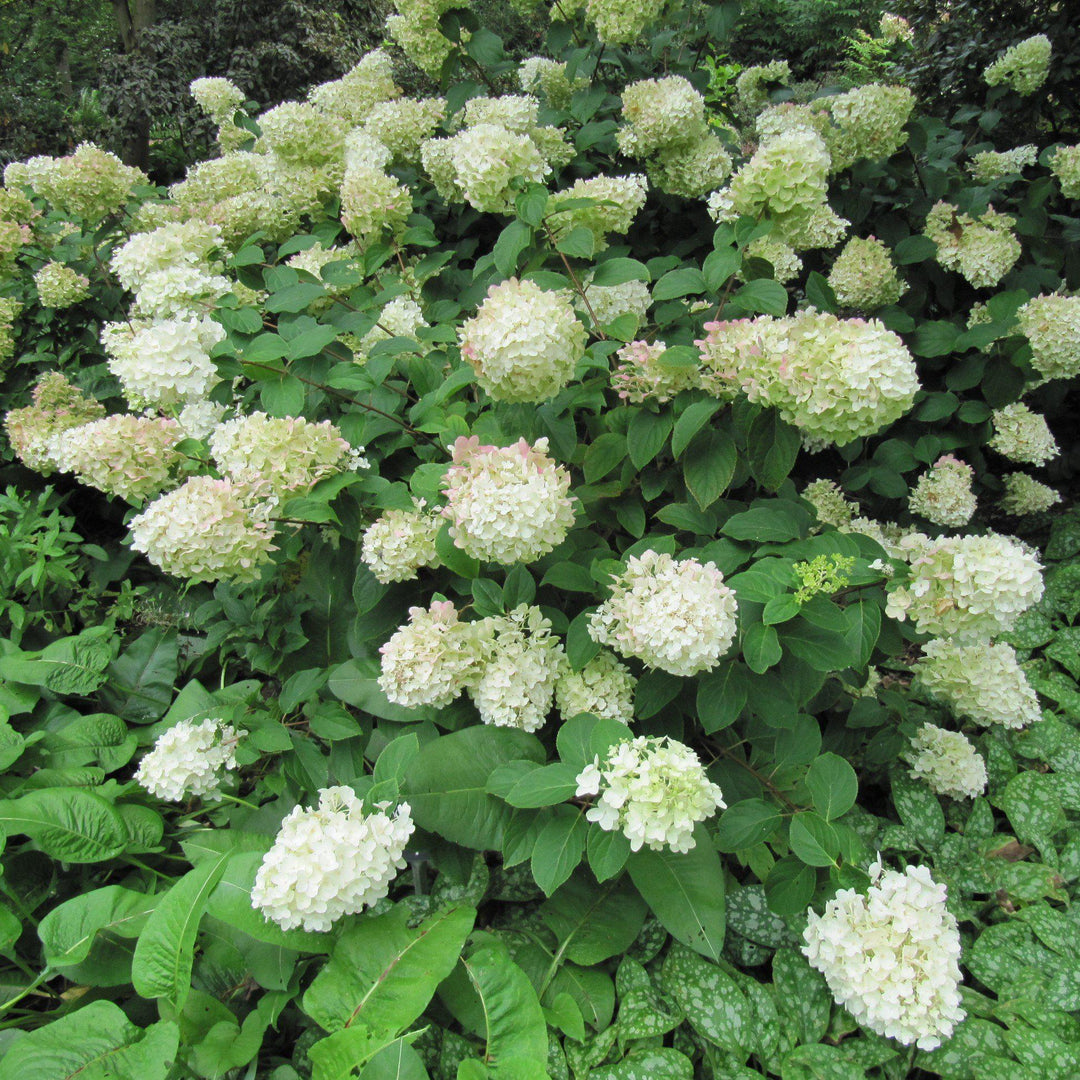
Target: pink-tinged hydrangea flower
(991,165)
(864,277)
(1026,495)
(59,286)
(969,588)
(943,493)
(206,530)
(429,660)
(1022,435)
(1052,326)
(57,406)
(523,342)
(129,456)
(891,957)
(894,29)
(653,790)
(278,457)
(675,616)
(373,202)
(1023,67)
(641,374)
(948,763)
(190,760)
(399,542)
(603,687)
(507,504)
(331,861)
(517,665)
(980,682)
(9,312)
(982,249)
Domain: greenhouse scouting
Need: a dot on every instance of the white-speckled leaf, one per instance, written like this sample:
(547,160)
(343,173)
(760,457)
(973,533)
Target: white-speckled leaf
(802,998)
(711,999)
(749,915)
(642,1011)
(658,1064)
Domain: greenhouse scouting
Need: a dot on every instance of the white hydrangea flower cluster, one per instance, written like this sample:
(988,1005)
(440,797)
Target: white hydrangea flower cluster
(190,760)
(129,456)
(312,260)
(611,302)
(653,790)
(1026,495)
(991,165)
(619,22)
(679,617)
(666,127)
(198,419)
(170,269)
(164,363)
(980,682)
(603,687)
(90,183)
(218,98)
(351,98)
(415,28)
(948,763)
(401,316)
(524,342)
(403,124)
(750,85)
(55,407)
(277,457)
(786,177)
(785,262)
(864,277)
(786,117)
(206,530)
(539,75)
(982,249)
(642,376)
(1052,326)
(399,542)
(618,200)
(507,504)
(891,957)
(1022,435)
(59,286)
(300,133)
(867,122)
(970,588)
(430,659)
(518,662)
(9,312)
(895,29)
(830,503)
(373,202)
(1065,165)
(330,861)
(943,493)
(1023,67)
(835,379)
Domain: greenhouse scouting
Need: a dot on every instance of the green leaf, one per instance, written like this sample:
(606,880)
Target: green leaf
(913,249)
(68,931)
(618,271)
(646,1062)
(559,848)
(709,465)
(398,1061)
(935,338)
(311,342)
(607,851)
(141,678)
(833,786)
(763,295)
(446,783)
(711,1000)
(764,524)
(802,997)
(96,1042)
(646,435)
(721,696)
(578,243)
(722,18)
(294,297)
(514,1030)
(820,1062)
(511,243)
(382,973)
(282,397)
(569,577)
(604,454)
(688,281)
(719,265)
(69,665)
(772,446)
(165,951)
(694,417)
(919,810)
(789,887)
(545,786)
(761,648)
(67,823)
(580,647)
(1033,807)
(594,924)
(642,1012)
(819,292)
(685,892)
(813,839)
(747,823)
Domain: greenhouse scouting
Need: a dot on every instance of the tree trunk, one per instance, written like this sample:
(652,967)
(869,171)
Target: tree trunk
(132,18)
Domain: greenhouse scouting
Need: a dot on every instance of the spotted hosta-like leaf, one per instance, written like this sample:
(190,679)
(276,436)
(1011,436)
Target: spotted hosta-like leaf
(642,1012)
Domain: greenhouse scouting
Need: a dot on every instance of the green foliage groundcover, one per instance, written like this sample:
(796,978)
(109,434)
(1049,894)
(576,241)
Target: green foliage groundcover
(481,471)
